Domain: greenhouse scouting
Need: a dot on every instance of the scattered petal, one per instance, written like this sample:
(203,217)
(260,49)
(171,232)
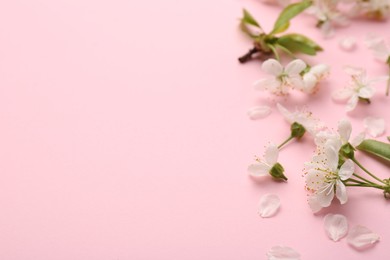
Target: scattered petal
(259,112)
(268,205)
(336,226)
(283,253)
(374,126)
(361,237)
(348,43)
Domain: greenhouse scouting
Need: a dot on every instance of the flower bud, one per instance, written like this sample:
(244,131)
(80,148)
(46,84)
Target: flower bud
(297,130)
(347,151)
(277,172)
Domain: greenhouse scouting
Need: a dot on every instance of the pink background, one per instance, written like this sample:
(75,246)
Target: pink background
(124,134)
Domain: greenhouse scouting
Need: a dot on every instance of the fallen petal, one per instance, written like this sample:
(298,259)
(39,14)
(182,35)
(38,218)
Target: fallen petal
(283,253)
(348,43)
(336,226)
(361,237)
(374,126)
(259,112)
(268,205)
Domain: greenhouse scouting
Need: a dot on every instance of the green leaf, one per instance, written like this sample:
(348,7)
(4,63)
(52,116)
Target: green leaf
(248,19)
(376,148)
(289,12)
(299,43)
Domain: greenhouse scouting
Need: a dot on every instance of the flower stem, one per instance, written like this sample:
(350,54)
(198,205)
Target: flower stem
(364,169)
(286,141)
(248,56)
(364,179)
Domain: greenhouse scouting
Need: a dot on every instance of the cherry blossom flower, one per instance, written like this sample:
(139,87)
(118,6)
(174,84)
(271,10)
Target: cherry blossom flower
(324,177)
(281,79)
(336,226)
(358,88)
(268,205)
(313,77)
(328,16)
(305,118)
(361,237)
(268,165)
(283,253)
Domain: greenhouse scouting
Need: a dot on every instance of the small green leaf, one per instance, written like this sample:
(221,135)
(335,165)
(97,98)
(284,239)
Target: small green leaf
(248,19)
(289,12)
(299,43)
(377,148)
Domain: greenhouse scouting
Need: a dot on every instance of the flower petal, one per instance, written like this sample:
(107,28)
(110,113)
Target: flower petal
(358,139)
(310,82)
(342,94)
(341,192)
(366,92)
(283,253)
(374,126)
(332,156)
(347,43)
(336,226)
(258,169)
(271,154)
(325,195)
(314,204)
(272,66)
(295,67)
(267,84)
(361,237)
(314,179)
(352,102)
(346,170)
(259,112)
(268,205)
(285,113)
(344,129)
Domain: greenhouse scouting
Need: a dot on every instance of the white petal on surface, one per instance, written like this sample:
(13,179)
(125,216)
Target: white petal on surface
(358,139)
(259,112)
(283,253)
(267,83)
(336,226)
(271,154)
(258,169)
(268,205)
(366,92)
(352,102)
(295,67)
(341,192)
(346,170)
(285,113)
(314,204)
(272,66)
(347,43)
(361,237)
(342,94)
(344,129)
(374,126)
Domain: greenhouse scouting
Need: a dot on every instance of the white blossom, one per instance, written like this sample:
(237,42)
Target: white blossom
(313,77)
(263,166)
(281,79)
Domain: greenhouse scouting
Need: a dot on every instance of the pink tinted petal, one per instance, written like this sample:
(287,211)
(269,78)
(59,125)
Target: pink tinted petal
(361,237)
(283,253)
(344,129)
(258,169)
(268,83)
(259,112)
(346,170)
(342,94)
(271,154)
(295,67)
(352,102)
(341,192)
(268,205)
(358,139)
(272,66)
(374,126)
(366,92)
(347,43)
(336,226)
